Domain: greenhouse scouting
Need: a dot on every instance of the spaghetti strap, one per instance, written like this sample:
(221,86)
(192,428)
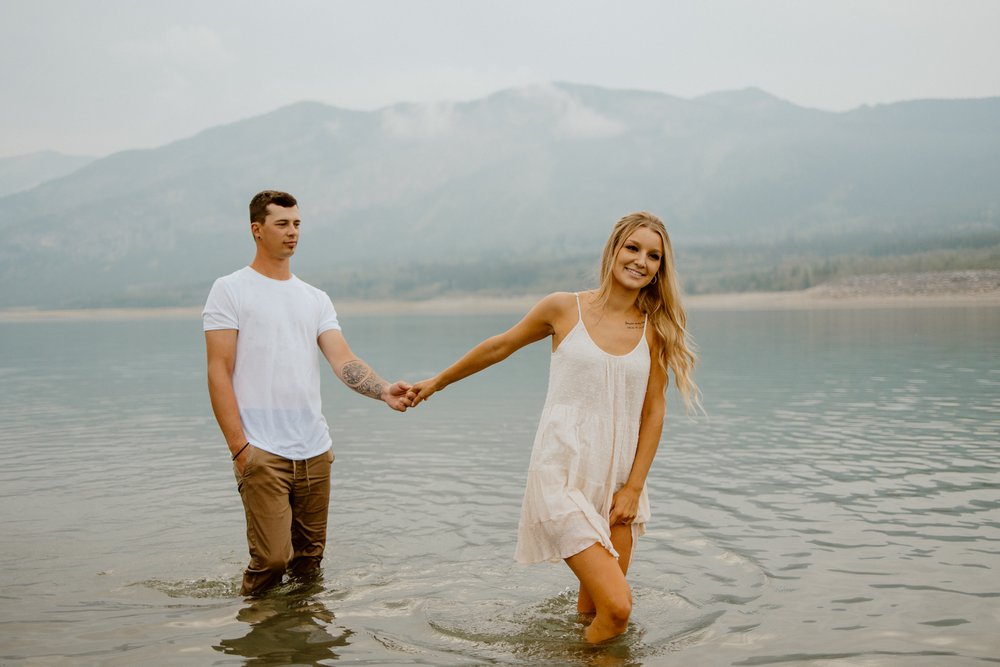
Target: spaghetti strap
(579,310)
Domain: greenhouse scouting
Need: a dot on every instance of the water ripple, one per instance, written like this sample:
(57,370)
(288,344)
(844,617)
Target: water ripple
(838,504)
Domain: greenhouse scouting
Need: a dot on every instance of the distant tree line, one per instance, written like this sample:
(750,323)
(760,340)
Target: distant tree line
(703,270)
(782,268)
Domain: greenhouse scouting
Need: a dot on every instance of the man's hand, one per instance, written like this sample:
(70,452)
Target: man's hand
(397,396)
(241,459)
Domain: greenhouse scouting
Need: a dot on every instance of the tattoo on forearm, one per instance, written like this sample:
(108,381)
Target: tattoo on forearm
(361,378)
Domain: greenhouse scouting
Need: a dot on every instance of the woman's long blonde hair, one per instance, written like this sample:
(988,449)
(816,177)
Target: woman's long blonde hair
(660,301)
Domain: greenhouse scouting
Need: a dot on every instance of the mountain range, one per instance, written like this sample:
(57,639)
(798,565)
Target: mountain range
(23,172)
(529,180)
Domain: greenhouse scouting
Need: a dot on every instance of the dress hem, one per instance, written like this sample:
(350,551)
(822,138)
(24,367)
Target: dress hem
(638,529)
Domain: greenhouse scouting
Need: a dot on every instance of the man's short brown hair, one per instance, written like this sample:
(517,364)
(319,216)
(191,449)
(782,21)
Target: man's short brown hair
(258,205)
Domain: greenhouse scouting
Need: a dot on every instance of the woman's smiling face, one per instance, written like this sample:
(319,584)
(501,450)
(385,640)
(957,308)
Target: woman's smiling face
(638,259)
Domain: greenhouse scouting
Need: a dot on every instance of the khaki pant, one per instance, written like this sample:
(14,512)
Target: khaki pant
(286,504)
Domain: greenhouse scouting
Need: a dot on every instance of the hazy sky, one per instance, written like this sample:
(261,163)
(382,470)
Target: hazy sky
(94,77)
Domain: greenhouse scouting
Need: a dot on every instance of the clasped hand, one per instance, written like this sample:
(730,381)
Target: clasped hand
(401,395)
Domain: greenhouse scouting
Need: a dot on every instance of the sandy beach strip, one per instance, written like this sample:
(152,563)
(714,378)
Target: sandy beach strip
(930,289)
(805,299)
(472,305)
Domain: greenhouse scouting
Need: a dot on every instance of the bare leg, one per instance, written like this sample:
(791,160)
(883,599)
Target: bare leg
(601,575)
(621,538)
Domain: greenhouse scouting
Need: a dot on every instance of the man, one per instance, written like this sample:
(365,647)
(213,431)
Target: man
(262,326)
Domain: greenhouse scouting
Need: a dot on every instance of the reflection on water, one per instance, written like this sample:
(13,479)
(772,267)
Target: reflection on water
(838,505)
(289,625)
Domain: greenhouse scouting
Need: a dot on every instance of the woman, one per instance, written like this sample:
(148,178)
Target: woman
(585,500)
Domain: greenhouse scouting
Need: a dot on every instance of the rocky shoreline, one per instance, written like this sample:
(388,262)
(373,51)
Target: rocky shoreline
(929,283)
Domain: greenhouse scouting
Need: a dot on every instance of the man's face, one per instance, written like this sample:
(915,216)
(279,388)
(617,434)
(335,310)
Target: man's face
(278,235)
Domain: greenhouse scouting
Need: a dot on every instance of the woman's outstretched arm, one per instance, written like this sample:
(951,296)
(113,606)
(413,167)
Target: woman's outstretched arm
(536,325)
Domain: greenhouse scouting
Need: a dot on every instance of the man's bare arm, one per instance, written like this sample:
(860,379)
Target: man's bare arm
(221,350)
(358,375)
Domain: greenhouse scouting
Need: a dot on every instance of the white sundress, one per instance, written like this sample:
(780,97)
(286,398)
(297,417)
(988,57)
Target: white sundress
(584,448)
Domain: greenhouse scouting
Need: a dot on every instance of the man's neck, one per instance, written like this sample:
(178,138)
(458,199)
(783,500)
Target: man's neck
(275,269)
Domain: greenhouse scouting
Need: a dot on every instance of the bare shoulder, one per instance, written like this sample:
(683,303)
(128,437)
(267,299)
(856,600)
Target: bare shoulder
(557,307)
(559,311)
(558,302)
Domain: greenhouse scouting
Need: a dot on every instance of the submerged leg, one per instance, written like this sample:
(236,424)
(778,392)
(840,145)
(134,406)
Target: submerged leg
(602,577)
(265,488)
(621,538)
(310,507)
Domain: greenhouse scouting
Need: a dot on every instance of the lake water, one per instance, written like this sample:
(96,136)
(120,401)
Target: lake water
(838,506)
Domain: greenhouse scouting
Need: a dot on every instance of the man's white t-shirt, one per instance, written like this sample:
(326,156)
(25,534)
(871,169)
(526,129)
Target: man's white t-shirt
(276,377)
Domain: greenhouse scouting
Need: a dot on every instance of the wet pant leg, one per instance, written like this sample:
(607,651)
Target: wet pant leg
(286,505)
(310,508)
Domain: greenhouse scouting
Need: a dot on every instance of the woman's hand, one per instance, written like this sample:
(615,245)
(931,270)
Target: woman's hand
(423,390)
(624,506)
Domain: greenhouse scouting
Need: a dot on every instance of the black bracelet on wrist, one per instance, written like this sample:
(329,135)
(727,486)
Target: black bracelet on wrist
(237,454)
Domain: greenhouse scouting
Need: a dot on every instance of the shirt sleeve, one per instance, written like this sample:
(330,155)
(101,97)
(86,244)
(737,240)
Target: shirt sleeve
(328,315)
(220,309)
